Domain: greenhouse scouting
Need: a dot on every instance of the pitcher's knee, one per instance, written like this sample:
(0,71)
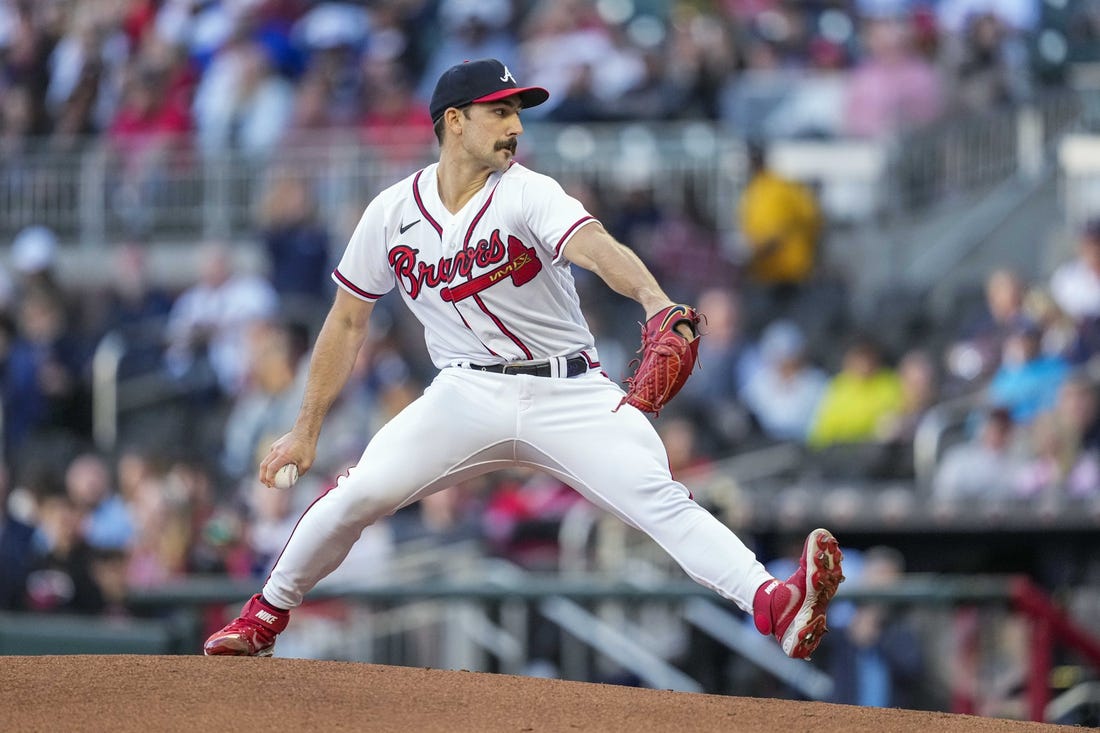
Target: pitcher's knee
(365,510)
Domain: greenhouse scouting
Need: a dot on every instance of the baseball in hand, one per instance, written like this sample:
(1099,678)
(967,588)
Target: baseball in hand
(286,476)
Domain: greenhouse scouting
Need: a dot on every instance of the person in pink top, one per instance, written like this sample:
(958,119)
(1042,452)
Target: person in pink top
(893,88)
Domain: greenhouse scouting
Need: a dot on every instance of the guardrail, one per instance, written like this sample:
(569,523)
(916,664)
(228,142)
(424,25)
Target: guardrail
(101,193)
(564,601)
(1049,624)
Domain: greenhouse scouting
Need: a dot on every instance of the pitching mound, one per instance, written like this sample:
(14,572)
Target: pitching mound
(146,693)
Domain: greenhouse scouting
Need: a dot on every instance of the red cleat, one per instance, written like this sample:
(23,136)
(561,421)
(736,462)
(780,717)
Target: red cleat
(252,634)
(794,610)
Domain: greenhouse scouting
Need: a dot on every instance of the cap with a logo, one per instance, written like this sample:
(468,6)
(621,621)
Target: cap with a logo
(484,80)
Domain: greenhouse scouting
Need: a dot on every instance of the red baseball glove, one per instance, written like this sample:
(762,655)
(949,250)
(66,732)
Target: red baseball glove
(667,359)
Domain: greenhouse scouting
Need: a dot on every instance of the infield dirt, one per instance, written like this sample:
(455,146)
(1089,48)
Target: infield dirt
(125,694)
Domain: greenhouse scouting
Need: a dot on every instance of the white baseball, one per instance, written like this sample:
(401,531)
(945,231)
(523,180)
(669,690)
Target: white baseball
(286,476)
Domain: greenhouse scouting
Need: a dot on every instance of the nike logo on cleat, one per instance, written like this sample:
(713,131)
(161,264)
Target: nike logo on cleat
(406,227)
(266,617)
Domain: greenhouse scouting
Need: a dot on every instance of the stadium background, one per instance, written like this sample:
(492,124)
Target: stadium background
(179,177)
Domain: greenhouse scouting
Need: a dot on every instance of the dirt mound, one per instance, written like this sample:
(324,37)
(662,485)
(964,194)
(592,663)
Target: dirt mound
(142,693)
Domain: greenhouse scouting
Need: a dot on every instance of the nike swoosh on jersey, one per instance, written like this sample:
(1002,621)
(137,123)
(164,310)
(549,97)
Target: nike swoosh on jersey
(406,227)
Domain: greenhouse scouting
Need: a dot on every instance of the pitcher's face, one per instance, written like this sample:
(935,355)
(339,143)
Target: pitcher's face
(491,131)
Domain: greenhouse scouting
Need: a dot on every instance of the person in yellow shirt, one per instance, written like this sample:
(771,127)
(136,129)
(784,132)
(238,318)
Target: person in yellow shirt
(780,223)
(857,399)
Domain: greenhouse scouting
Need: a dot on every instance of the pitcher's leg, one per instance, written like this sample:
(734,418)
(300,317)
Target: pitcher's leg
(617,461)
(413,455)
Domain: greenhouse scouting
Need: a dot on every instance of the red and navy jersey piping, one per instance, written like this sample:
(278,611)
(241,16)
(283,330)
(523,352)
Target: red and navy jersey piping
(569,231)
(353,287)
(420,204)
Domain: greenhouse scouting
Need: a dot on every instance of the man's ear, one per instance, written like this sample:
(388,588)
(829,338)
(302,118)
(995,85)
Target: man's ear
(451,118)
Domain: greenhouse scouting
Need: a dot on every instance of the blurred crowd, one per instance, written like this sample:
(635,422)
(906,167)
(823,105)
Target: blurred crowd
(211,373)
(250,75)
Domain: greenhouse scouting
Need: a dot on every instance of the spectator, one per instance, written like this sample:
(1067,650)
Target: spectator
(919,392)
(312,120)
(334,35)
(79,67)
(109,575)
(134,308)
(561,38)
(1059,330)
(857,399)
(61,577)
(686,253)
(784,393)
(876,659)
(34,259)
(221,544)
(134,304)
(1027,381)
(272,516)
(15,127)
(1019,15)
(44,384)
(984,65)
(982,468)
(699,54)
(893,89)
(780,224)
(31,34)
(636,216)
(522,519)
(976,353)
(1063,464)
(686,459)
(164,509)
(241,103)
(396,123)
(146,131)
(297,246)
(471,29)
(105,520)
(749,97)
(449,516)
(16,548)
(340,445)
(711,396)
(1075,285)
(579,102)
(1085,346)
(209,320)
(268,406)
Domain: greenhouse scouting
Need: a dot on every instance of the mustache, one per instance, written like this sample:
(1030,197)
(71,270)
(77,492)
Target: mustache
(509,144)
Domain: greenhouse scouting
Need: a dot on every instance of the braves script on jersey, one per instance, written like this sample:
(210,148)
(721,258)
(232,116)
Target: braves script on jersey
(475,279)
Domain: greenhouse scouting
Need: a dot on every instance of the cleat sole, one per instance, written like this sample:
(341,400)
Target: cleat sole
(822,557)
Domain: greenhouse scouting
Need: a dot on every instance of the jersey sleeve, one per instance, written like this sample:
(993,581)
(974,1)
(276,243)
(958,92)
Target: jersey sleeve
(364,270)
(552,215)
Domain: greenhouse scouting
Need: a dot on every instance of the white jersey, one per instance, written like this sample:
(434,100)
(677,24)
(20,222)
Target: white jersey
(489,283)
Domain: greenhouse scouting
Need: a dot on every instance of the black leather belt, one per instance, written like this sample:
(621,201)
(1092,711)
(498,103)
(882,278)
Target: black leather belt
(575,365)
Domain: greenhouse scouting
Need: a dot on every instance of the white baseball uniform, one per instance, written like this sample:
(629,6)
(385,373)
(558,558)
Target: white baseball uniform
(491,287)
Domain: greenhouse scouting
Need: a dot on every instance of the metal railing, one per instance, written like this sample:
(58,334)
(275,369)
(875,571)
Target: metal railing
(98,193)
(561,602)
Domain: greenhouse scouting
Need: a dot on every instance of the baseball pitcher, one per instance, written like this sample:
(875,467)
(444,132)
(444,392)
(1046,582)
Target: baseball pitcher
(480,249)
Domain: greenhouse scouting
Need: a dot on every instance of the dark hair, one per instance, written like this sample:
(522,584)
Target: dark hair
(440,125)
(1000,416)
(1091,230)
(757,154)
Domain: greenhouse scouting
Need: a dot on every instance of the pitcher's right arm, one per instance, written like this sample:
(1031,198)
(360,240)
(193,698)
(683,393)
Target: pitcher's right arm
(334,354)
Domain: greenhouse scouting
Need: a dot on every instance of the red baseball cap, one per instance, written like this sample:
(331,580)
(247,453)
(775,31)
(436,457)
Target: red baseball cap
(484,80)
